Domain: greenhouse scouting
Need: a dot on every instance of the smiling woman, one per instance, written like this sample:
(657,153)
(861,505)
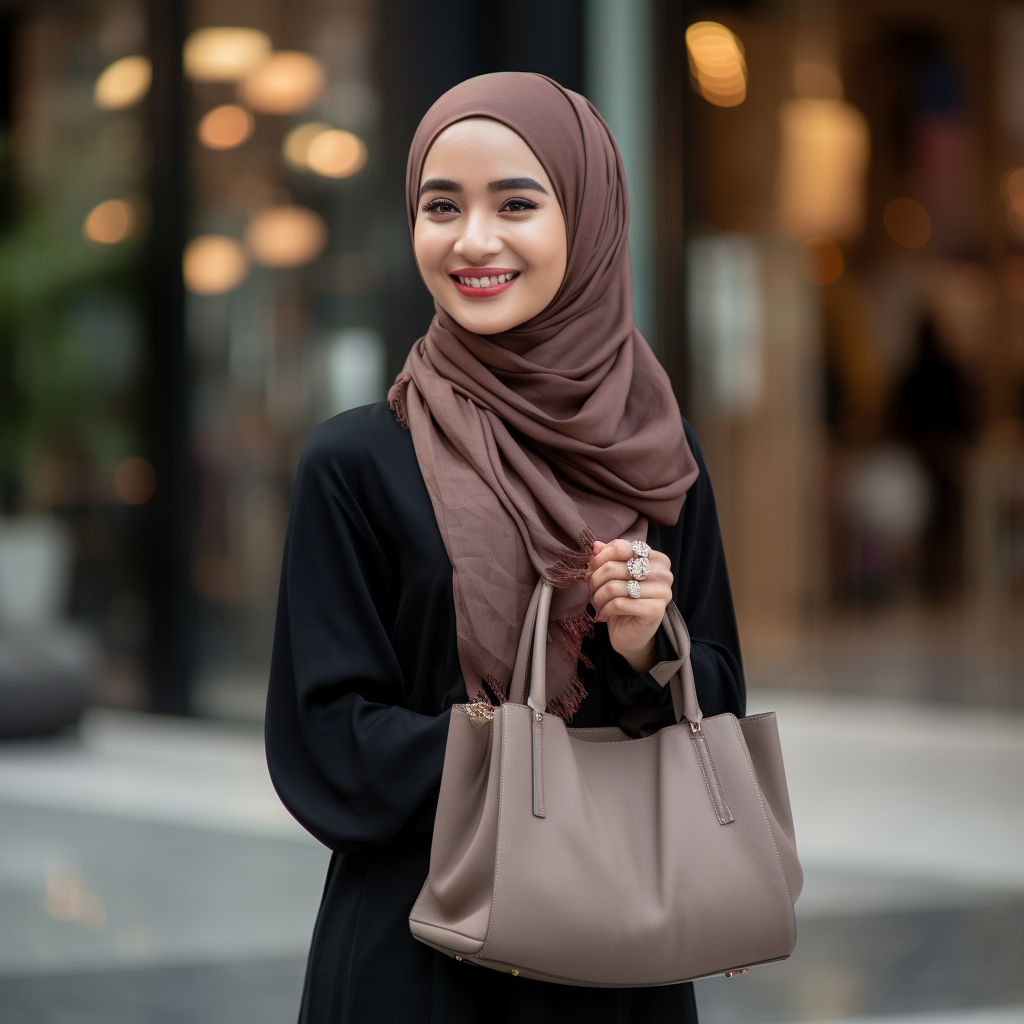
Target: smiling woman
(531,436)
(491,249)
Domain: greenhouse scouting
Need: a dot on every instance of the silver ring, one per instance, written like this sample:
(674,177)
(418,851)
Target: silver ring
(639,568)
(641,549)
(633,588)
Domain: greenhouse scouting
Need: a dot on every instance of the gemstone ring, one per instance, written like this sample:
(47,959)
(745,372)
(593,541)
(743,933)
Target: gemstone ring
(641,549)
(633,588)
(639,567)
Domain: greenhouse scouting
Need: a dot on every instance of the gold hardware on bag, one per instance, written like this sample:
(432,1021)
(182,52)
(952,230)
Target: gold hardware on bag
(457,957)
(479,711)
(732,974)
(515,974)
(694,729)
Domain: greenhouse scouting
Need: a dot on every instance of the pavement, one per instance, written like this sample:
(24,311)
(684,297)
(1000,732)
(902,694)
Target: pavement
(149,875)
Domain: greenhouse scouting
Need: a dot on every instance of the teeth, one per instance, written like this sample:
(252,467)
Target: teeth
(487,282)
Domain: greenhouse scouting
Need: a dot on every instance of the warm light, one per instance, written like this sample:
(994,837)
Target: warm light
(287,82)
(716,60)
(907,222)
(336,154)
(296,143)
(123,83)
(109,222)
(135,481)
(224,54)
(1011,277)
(286,236)
(821,261)
(823,162)
(226,126)
(214,264)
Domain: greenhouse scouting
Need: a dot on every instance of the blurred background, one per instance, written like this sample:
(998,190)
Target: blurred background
(204,253)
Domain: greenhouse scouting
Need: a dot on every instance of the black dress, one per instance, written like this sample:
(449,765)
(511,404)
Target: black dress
(364,672)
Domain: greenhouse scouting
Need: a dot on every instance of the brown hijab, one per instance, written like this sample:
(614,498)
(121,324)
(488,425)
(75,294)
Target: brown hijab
(537,441)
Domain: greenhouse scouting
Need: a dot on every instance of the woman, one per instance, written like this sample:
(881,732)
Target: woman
(531,432)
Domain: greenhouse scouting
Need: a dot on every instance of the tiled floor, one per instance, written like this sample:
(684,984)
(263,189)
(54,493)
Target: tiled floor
(148,874)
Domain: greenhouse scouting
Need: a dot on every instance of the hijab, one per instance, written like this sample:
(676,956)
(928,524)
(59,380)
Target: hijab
(535,442)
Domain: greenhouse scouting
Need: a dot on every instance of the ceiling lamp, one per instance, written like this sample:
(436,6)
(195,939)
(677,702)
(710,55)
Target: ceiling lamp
(823,162)
(286,236)
(287,82)
(717,64)
(336,154)
(123,83)
(109,223)
(214,264)
(224,54)
(296,143)
(226,126)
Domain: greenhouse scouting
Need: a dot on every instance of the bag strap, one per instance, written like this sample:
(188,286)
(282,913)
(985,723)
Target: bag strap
(678,674)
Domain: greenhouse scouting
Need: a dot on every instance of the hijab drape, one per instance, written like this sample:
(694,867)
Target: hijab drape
(536,442)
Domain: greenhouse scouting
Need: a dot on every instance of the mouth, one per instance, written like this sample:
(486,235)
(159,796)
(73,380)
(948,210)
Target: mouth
(483,282)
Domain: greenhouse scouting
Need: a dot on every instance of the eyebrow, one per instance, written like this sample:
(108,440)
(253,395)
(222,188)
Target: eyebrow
(502,185)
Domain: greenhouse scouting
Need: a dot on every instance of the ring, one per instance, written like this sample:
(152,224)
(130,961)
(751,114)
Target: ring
(633,588)
(641,549)
(639,568)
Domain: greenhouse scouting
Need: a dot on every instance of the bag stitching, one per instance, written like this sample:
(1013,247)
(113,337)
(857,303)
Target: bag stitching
(718,783)
(697,743)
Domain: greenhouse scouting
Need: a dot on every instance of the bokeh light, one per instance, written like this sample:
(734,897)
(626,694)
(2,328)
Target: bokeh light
(821,261)
(123,83)
(336,154)
(296,143)
(109,222)
(214,264)
(823,162)
(226,126)
(717,64)
(135,481)
(224,54)
(286,236)
(287,82)
(907,222)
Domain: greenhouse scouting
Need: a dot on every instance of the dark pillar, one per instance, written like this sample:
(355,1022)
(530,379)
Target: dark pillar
(674,189)
(169,513)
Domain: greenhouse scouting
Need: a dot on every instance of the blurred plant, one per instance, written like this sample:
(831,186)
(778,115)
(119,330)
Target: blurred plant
(67,349)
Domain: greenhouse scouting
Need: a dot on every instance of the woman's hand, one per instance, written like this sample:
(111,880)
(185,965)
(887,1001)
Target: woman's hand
(632,621)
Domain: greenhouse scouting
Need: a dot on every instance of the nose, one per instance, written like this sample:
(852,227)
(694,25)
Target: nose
(478,242)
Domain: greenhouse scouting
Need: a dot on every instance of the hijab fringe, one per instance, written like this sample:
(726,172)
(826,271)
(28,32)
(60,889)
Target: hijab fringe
(397,399)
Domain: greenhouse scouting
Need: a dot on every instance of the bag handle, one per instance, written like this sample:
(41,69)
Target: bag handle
(678,673)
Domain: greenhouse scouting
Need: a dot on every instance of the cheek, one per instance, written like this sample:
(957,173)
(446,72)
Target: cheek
(547,252)
(430,248)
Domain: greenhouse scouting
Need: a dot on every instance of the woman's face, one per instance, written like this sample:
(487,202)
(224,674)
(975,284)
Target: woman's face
(489,235)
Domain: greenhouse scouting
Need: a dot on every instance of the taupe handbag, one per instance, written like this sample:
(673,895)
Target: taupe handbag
(586,857)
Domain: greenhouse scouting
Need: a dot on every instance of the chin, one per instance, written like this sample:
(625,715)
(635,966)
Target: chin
(480,321)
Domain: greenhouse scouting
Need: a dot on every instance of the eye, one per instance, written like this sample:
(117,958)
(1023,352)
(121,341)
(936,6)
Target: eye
(518,205)
(443,206)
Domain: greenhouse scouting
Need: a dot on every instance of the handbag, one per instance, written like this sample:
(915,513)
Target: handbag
(587,857)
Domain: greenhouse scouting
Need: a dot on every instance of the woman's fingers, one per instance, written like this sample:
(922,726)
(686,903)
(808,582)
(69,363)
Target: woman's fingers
(606,566)
(652,610)
(651,589)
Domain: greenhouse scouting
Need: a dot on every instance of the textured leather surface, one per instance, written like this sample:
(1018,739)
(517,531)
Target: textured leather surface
(657,860)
